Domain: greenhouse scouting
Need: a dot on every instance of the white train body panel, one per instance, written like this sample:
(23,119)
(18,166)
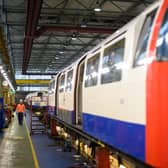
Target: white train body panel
(121,100)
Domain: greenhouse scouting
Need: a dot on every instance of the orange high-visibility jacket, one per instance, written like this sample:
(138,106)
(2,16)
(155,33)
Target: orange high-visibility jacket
(20,108)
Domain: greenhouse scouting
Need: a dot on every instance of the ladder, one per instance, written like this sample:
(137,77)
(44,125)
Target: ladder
(38,120)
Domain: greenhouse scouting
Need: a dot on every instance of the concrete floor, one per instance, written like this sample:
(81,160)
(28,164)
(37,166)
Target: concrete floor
(15,149)
(49,151)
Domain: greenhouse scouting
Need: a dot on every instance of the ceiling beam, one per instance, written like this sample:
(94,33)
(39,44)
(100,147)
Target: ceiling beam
(32,81)
(44,29)
(31,73)
(33,13)
(52,43)
(54,35)
(51,50)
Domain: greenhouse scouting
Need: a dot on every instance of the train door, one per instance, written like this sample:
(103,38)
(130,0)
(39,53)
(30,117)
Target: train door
(56,95)
(79,93)
(61,96)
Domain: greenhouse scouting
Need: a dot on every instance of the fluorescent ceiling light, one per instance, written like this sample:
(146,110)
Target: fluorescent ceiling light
(97,9)
(2,71)
(74,38)
(61,52)
(83,25)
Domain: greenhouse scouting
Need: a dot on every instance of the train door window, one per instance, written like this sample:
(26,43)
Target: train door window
(92,68)
(143,40)
(69,81)
(112,62)
(61,83)
(162,42)
(49,87)
(52,86)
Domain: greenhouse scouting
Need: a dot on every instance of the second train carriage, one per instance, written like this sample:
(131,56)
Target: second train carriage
(37,99)
(118,93)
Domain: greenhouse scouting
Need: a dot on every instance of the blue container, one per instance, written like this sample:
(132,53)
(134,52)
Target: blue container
(1,113)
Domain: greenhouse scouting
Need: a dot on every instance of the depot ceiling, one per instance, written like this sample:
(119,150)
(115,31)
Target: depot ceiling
(44,36)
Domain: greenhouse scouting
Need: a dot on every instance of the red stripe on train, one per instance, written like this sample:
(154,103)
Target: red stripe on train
(157,103)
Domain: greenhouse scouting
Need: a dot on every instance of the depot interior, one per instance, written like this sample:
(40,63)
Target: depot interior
(40,38)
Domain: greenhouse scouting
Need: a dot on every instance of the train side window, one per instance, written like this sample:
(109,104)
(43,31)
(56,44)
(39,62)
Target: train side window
(61,83)
(112,63)
(92,69)
(69,81)
(143,39)
(162,41)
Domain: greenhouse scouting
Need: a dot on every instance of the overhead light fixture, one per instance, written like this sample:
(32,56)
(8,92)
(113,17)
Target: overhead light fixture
(97,7)
(56,57)
(74,36)
(5,76)
(2,71)
(1,67)
(61,52)
(83,25)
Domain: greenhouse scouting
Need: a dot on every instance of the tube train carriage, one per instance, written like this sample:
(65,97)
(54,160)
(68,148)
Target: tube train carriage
(118,91)
(38,99)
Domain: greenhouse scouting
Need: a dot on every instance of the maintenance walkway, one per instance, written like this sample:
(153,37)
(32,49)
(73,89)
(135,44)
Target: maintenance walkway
(16,150)
(20,150)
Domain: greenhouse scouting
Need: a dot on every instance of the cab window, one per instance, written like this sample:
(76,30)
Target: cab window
(61,83)
(143,40)
(112,62)
(162,41)
(91,76)
(69,81)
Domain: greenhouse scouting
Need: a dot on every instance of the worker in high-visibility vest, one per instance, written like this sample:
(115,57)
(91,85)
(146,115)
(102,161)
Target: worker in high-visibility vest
(20,109)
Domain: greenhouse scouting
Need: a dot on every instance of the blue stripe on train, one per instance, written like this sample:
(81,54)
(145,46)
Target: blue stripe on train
(38,106)
(128,137)
(51,110)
